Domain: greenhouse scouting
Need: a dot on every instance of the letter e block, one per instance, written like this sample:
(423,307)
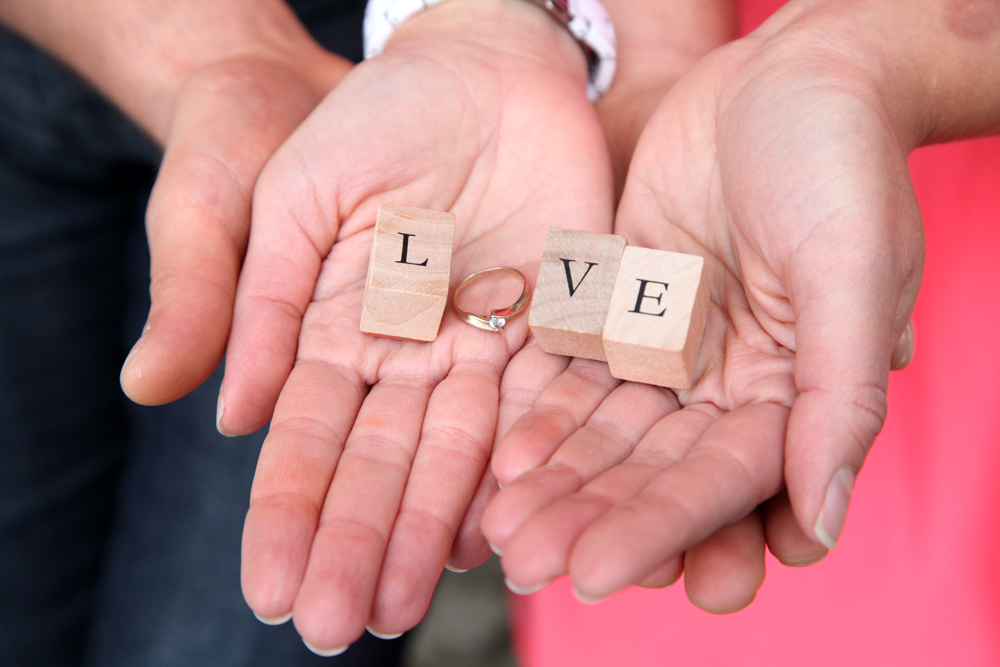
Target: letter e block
(656,317)
(408,273)
(575,281)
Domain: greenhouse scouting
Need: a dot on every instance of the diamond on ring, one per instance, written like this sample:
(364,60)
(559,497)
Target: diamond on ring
(497,322)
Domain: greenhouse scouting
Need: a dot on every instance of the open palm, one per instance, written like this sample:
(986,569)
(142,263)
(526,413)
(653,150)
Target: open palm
(773,161)
(377,446)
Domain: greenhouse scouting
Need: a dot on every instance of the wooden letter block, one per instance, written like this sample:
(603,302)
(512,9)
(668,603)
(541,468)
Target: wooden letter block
(408,273)
(575,281)
(656,317)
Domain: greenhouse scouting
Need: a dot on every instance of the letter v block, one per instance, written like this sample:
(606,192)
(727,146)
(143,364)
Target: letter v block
(408,273)
(574,286)
(656,317)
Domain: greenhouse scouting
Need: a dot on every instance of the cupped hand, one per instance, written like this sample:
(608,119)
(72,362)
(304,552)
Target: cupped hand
(228,118)
(378,448)
(781,160)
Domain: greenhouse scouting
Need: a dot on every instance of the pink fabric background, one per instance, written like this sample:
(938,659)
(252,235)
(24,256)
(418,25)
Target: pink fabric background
(916,578)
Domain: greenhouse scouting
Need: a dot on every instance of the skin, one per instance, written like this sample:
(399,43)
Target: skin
(221,85)
(476,136)
(378,447)
(363,464)
(782,160)
(474,84)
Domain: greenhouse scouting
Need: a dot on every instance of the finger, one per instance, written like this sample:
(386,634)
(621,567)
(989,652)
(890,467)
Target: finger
(666,575)
(903,353)
(198,219)
(853,294)
(528,373)
(290,238)
(844,337)
(311,424)
(335,598)
(541,548)
(785,539)
(734,467)
(607,438)
(470,548)
(560,410)
(453,452)
(723,573)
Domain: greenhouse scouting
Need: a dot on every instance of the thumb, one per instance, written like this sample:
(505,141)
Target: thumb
(228,121)
(851,319)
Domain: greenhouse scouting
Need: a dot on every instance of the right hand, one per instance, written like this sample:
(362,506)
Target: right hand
(374,471)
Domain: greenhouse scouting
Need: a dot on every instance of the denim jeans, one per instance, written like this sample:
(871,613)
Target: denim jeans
(119,525)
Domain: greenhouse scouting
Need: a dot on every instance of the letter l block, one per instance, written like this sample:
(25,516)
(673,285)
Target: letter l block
(657,317)
(409,273)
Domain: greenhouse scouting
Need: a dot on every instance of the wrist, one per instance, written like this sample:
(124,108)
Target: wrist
(140,53)
(657,44)
(929,67)
(195,38)
(512,36)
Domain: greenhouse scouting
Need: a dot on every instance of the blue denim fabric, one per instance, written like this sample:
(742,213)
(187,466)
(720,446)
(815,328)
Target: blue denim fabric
(119,525)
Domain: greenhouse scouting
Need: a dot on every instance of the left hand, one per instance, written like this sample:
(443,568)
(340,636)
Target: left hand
(227,120)
(779,161)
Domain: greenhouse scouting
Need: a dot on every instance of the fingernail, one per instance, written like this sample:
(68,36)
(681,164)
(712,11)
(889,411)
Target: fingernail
(135,349)
(456,570)
(585,599)
(514,588)
(494,548)
(325,653)
(220,410)
(830,521)
(279,620)
(902,355)
(382,636)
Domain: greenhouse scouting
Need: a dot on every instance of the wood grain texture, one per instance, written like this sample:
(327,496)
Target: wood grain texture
(656,317)
(575,282)
(409,273)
